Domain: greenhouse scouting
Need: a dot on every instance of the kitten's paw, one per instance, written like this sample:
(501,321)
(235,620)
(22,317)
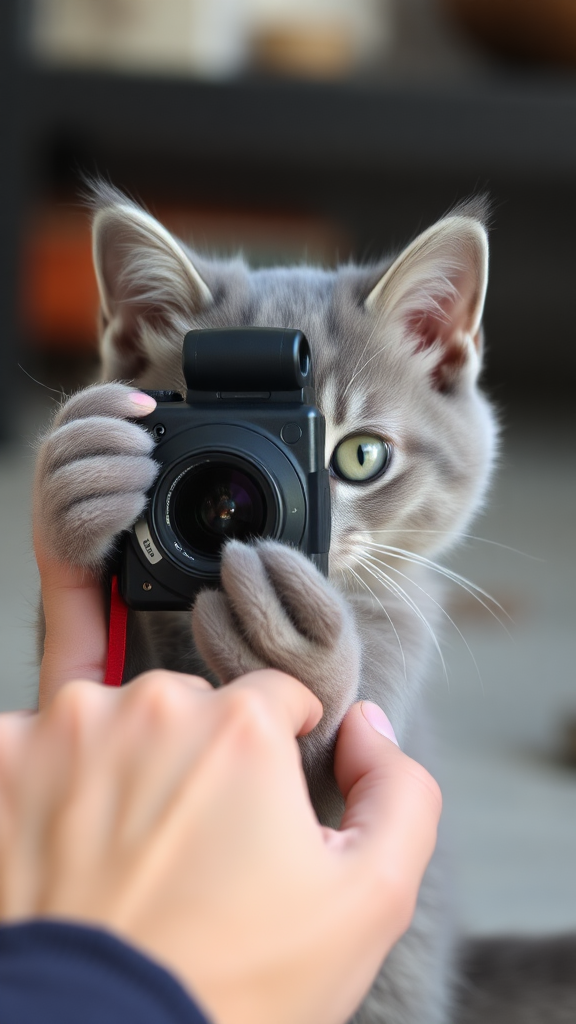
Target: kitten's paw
(275,610)
(93,470)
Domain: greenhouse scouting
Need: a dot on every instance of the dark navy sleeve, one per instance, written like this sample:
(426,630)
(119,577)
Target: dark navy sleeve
(57,973)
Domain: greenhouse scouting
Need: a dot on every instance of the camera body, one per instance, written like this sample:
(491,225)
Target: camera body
(242,457)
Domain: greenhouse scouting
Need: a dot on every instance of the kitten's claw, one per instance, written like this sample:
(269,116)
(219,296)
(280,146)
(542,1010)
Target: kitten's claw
(93,472)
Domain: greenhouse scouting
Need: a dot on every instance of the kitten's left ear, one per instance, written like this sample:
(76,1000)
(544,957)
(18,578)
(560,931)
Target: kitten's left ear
(145,277)
(435,290)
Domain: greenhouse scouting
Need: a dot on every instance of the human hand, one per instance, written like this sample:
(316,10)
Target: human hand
(177,817)
(92,438)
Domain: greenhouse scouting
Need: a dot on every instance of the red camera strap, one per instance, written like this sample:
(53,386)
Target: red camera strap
(116,637)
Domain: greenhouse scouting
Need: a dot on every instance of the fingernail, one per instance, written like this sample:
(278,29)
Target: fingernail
(378,720)
(144,402)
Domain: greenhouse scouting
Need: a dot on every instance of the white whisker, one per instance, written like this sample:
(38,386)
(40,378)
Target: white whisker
(373,595)
(465,536)
(467,585)
(393,568)
(395,588)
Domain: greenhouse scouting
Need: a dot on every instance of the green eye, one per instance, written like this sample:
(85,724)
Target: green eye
(361,457)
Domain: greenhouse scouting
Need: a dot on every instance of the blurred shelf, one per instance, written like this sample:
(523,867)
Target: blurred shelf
(498,124)
(372,161)
(58,292)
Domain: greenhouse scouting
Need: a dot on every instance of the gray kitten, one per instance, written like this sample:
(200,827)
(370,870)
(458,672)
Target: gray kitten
(396,350)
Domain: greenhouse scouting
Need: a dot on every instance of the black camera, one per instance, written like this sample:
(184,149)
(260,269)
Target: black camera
(242,457)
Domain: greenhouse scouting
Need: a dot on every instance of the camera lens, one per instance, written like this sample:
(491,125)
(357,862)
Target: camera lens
(214,502)
(221,482)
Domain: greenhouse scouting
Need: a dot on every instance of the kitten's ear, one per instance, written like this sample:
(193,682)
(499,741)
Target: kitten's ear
(145,278)
(435,291)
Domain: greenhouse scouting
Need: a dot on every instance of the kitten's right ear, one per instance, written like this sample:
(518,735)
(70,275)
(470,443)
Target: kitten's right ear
(144,278)
(435,291)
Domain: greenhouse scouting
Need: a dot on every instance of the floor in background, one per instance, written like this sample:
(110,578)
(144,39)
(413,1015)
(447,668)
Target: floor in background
(503,730)
(510,795)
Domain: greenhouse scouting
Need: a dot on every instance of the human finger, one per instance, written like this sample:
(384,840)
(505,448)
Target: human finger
(74,606)
(282,694)
(76,630)
(393,804)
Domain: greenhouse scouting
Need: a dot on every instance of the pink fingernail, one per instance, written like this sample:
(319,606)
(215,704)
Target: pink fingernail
(378,720)
(142,400)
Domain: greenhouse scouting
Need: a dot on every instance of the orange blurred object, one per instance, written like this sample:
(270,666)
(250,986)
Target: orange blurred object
(59,296)
(542,30)
(323,51)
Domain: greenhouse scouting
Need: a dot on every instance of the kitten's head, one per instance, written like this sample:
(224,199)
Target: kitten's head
(396,352)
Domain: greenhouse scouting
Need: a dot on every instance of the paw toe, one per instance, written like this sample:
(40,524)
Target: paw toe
(218,638)
(110,400)
(309,598)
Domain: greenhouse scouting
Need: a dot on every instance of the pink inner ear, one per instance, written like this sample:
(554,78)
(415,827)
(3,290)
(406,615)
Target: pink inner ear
(446,322)
(426,327)
(445,325)
(445,374)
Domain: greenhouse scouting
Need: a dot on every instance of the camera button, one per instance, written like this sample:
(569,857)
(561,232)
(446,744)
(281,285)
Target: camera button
(291,433)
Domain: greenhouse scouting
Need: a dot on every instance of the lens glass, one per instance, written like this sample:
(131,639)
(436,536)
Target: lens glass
(214,502)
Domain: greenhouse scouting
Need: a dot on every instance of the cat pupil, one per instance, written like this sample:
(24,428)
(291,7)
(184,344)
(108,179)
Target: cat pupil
(360,458)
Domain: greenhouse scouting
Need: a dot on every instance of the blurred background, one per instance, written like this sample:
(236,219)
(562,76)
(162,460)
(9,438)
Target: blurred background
(331,129)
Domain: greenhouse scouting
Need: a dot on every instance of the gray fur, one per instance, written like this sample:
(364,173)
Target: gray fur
(396,350)
(93,470)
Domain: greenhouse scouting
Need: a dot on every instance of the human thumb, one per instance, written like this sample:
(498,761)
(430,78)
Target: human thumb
(393,804)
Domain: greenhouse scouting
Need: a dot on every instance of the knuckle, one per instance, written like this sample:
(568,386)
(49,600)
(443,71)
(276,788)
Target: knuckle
(159,696)
(72,709)
(249,716)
